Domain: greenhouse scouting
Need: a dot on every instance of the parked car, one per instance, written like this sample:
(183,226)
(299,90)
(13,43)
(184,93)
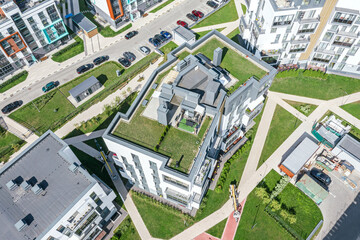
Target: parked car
(160,37)
(144,50)
(319,175)
(197,13)
(84,68)
(166,34)
(192,17)
(11,106)
(154,42)
(131,34)
(50,86)
(100,60)
(182,23)
(212,4)
(123,61)
(129,56)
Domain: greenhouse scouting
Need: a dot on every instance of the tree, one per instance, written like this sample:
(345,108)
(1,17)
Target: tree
(275,206)
(292,218)
(280,186)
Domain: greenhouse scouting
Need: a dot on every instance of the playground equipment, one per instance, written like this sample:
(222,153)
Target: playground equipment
(234,196)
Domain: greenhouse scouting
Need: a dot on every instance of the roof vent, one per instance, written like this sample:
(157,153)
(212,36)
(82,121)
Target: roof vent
(37,189)
(74,167)
(20,225)
(25,185)
(11,185)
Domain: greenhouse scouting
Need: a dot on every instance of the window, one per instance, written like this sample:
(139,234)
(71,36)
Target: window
(340,50)
(283,20)
(61,228)
(341,66)
(344,18)
(345,59)
(328,36)
(43,19)
(10,30)
(293,56)
(317,1)
(323,45)
(343,28)
(353,29)
(334,27)
(277,38)
(306,2)
(298,47)
(273,30)
(285,36)
(353,50)
(311,13)
(307,28)
(52,13)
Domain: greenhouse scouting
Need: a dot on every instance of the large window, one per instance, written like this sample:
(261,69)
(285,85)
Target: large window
(283,20)
(298,47)
(307,28)
(43,19)
(353,50)
(322,58)
(176,182)
(328,36)
(343,41)
(344,18)
(52,13)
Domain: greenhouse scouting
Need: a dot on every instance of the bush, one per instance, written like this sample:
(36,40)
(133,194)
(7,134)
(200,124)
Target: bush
(18,78)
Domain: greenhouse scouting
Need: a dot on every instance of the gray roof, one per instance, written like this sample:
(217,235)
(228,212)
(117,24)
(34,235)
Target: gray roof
(350,145)
(86,84)
(184,33)
(329,136)
(42,163)
(301,154)
(83,22)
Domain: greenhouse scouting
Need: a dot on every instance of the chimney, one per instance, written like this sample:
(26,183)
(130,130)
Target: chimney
(217,57)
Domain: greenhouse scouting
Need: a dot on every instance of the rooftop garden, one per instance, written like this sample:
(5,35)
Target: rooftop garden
(238,66)
(314,84)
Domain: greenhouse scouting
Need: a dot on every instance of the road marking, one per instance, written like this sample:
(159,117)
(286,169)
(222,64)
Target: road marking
(332,194)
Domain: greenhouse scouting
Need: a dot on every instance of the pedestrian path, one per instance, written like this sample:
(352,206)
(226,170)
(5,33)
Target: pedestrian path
(232,225)
(206,236)
(88,150)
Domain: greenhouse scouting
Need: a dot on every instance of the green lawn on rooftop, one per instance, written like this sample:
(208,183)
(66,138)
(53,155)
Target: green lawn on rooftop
(199,35)
(282,125)
(226,14)
(238,66)
(311,85)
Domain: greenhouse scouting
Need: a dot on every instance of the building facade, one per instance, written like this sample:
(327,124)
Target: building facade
(118,12)
(193,91)
(321,34)
(46,194)
(28,30)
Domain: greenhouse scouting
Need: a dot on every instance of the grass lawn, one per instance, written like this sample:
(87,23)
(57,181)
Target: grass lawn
(226,14)
(304,108)
(201,34)
(238,66)
(94,166)
(126,230)
(218,229)
(307,213)
(15,80)
(108,32)
(300,84)
(182,55)
(353,109)
(234,35)
(48,118)
(215,200)
(102,120)
(161,6)
(243,7)
(166,49)
(69,51)
(282,125)
(9,144)
(100,141)
(160,221)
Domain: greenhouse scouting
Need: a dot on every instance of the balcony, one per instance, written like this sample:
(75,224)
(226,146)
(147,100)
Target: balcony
(347,34)
(310,20)
(270,52)
(300,40)
(258,26)
(296,50)
(326,51)
(321,60)
(344,21)
(177,197)
(284,23)
(307,31)
(343,44)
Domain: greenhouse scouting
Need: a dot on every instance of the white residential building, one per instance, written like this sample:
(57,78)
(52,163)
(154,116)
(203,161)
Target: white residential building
(312,33)
(118,12)
(28,30)
(189,96)
(46,194)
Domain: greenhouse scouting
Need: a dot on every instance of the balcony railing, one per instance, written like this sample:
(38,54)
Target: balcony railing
(306,30)
(297,50)
(344,44)
(321,60)
(283,23)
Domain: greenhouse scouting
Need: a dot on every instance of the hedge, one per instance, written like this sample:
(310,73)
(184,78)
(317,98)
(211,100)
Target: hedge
(18,78)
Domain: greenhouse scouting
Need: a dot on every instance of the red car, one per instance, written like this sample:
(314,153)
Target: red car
(197,13)
(182,23)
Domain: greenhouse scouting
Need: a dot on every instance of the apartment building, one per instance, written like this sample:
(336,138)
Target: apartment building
(203,121)
(118,12)
(28,30)
(321,34)
(45,193)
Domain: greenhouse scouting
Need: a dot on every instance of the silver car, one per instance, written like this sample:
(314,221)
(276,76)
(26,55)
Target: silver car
(145,50)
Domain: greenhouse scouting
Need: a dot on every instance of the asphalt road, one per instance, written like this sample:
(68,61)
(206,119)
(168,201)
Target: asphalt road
(166,22)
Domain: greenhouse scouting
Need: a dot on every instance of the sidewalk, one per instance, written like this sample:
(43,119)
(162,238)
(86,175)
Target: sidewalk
(98,108)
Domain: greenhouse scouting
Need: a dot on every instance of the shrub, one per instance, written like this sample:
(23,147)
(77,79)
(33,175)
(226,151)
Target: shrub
(5,86)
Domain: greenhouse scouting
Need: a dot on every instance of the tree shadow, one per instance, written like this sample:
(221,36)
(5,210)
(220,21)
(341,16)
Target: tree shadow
(102,78)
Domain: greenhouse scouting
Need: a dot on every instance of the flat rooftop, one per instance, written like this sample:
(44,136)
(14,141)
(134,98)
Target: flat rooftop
(40,164)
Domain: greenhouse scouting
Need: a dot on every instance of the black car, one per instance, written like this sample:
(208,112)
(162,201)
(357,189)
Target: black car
(130,34)
(192,17)
(11,106)
(212,4)
(84,68)
(100,60)
(160,38)
(319,175)
(123,61)
(129,56)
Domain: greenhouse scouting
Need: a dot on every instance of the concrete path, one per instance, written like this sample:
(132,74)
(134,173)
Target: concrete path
(98,108)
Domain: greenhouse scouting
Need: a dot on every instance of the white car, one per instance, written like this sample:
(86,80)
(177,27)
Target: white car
(145,50)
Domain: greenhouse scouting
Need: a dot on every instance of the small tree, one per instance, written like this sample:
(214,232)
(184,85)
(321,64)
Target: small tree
(292,218)
(275,206)
(284,214)
(128,89)
(280,186)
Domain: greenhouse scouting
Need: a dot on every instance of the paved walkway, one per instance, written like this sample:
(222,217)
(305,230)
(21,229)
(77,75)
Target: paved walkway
(205,236)
(98,108)
(232,225)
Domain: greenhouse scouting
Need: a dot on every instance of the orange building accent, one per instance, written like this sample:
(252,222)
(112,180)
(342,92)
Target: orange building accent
(286,171)
(112,11)
(13,44)
(2,14)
